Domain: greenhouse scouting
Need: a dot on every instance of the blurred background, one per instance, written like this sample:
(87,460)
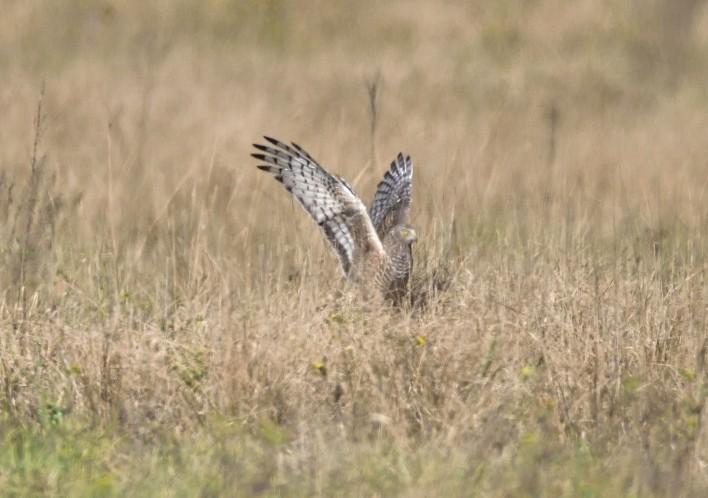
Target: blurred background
(590,114)
(483,94)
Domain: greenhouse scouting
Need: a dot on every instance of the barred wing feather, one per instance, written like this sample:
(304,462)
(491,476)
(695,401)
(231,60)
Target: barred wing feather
(392,202)
(328,199)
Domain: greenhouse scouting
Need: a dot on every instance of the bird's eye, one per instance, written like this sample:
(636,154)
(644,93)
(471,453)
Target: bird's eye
(405,231)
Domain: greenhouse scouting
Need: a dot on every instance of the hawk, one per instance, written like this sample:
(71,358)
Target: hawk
(374,245)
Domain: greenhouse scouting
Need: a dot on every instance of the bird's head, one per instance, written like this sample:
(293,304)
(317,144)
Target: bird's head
(408,234)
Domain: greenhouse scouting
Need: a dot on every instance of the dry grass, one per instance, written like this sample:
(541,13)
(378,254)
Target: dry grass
(172,324)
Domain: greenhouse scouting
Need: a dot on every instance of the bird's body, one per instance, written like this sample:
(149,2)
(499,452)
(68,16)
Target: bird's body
(373,246)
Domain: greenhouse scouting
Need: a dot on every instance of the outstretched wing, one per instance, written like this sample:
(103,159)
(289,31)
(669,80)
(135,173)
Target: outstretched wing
(392,201)
(328,199)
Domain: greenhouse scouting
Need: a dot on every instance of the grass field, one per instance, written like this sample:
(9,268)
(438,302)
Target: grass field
(173,324)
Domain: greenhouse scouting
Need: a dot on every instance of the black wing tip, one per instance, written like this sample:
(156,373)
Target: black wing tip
(401,163)
(276,172)
(293,149)
(298,148)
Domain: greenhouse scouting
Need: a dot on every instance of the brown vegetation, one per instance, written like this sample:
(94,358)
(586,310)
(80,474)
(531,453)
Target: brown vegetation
(155,286)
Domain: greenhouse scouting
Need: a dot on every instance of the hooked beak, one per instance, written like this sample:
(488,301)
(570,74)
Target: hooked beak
(413,236)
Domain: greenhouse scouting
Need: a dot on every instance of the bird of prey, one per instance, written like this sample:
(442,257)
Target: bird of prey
(374,245)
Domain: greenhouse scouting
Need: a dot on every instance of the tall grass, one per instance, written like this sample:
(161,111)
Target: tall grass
(171,323)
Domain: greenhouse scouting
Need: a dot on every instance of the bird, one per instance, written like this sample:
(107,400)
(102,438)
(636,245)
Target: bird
(374,246)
